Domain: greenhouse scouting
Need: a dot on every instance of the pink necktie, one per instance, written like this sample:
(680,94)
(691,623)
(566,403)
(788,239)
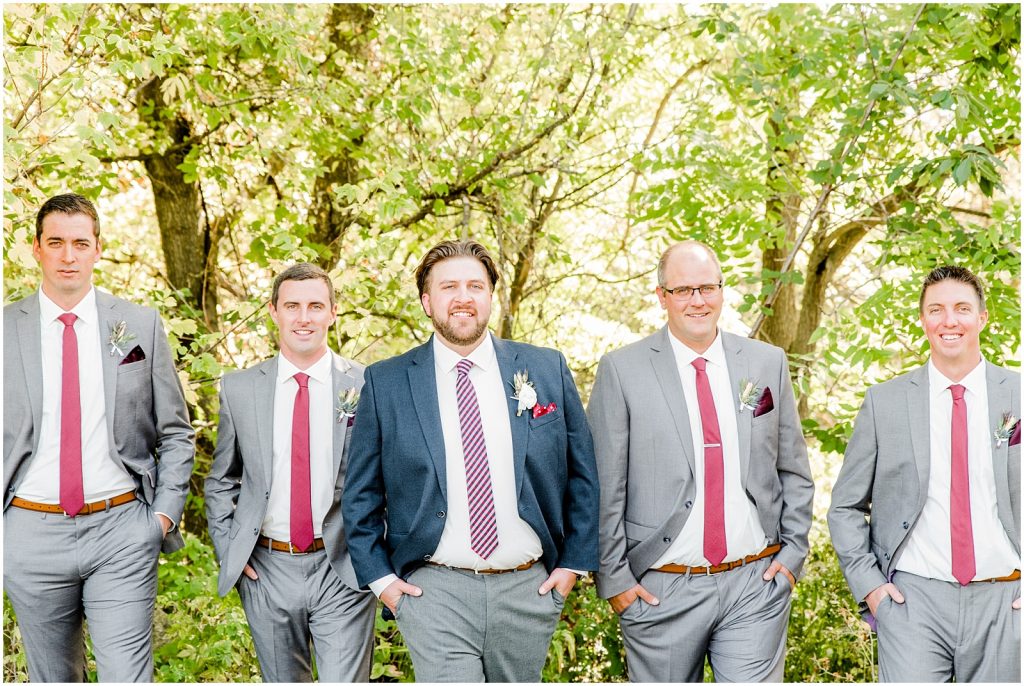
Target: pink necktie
(960,529)
(72,497)
(483,528)
(714,469)
(301,516)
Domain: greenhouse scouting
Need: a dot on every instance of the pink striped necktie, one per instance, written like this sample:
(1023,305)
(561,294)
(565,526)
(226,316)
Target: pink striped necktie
(483,527)
(961,532)
(714,469)
(72,495)
(301,515)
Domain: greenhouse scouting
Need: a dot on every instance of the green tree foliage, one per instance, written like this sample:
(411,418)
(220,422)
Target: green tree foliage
(831,154)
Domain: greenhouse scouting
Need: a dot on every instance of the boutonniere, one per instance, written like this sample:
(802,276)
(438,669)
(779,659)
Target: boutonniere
(749,393)
(119,338)
(347,402)
(1004,431)
(525,393)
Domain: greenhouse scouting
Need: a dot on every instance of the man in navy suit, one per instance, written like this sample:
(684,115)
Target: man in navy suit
(471,499)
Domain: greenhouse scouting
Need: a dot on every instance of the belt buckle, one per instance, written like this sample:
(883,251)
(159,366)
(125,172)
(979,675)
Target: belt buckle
(291,550)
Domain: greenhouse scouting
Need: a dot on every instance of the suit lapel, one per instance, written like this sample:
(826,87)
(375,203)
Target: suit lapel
(999,401)
(341,381)
(109,316)
(507,361)
(30,342)
(918,405)
(423,389)
(737,364)
(667,374)
(264,392)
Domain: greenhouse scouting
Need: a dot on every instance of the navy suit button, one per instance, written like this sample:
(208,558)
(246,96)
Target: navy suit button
(441,514)
(667,539)
(426,558)
(689,504)
(906,525)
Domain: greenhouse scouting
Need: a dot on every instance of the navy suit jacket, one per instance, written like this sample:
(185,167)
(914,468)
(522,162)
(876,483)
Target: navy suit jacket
(395,498)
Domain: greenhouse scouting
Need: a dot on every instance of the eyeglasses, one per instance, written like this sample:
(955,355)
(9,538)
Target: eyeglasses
(684,293)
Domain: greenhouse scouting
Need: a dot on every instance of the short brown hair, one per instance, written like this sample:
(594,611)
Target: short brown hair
(301,271)
(68,203)
(446,250)
(953,273)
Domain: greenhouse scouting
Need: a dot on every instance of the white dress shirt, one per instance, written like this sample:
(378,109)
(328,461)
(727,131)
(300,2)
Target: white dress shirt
(102,476)
(743,532)
(928,549)
(277,522)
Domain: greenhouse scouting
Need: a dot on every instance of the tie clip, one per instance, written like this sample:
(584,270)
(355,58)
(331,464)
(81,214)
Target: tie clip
(712,445)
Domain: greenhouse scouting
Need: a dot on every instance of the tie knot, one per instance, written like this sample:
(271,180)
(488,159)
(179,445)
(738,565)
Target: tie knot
(302,379)
(958,391)
(68,318)
(699,363)
(463,366)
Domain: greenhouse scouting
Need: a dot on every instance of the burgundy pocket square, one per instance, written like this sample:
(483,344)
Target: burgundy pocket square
(1015,436)
(136,355)
(541,410)
(765,403)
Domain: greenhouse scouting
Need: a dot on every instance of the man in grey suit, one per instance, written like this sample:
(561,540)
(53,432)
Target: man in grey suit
(273,494)
(98,450)
(925,514)
(705,488)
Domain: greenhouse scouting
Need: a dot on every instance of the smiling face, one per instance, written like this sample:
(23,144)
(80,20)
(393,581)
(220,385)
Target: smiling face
(458,301)
(952,318)
(303,315)
(695,321)
(67,250)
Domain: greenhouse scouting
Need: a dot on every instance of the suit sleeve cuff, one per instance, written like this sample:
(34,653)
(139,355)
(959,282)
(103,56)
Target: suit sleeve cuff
(174,524)
(379,585)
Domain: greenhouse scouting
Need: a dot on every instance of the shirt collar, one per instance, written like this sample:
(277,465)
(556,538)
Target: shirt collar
(685,355)
(973,382)
(318,371)
(84,310)
(483,356)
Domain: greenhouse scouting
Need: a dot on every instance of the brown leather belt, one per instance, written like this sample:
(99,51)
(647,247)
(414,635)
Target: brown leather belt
(88,508)
(286,547)
(521,568)
(724,567)
(1012,577)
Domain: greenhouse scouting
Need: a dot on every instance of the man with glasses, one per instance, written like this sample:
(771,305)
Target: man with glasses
(705,488)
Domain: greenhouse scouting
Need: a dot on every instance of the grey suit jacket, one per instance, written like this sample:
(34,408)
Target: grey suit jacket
(641,428)
(238,487)
(147,420)
(883,484)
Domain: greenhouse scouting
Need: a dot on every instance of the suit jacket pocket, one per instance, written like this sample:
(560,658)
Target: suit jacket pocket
(132,367)
(637,532)
(544,419)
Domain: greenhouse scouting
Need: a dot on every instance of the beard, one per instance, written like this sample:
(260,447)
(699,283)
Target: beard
(450,334)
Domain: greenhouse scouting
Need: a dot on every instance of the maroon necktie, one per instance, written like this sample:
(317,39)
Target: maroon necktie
(714,469)
(301,516)
(72,497)
(960,529)
(483,527)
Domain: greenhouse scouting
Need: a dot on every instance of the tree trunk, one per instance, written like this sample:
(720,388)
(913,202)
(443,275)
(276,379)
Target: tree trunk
(189,247)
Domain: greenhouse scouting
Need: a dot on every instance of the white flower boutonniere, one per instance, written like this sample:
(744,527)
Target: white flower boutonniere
(119,338)
(525,393)
(749,393)
(1004,431)
(347,402)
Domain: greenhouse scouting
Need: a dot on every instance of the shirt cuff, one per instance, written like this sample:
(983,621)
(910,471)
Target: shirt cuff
(581,575)
(170,519)
(379,585)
